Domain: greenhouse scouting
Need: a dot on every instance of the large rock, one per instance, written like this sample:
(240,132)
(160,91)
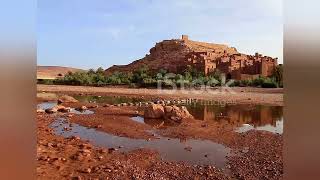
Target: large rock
(66,99)
(154,111)
(177,114)
(169,113)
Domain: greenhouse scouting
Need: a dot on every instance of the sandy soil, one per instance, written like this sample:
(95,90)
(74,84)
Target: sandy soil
(256,154)
(235,95)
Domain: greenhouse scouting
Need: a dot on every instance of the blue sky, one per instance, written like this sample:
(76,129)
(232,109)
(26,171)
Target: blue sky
(93,33)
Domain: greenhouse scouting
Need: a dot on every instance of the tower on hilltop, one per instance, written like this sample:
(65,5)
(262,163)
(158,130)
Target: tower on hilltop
(185,37)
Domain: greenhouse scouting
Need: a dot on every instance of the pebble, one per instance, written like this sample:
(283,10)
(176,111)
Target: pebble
(50,145)
(110,150)
(98,126)
(85,151)
(204,125)
(87,170)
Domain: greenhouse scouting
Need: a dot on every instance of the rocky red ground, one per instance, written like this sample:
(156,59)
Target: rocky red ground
(255,154)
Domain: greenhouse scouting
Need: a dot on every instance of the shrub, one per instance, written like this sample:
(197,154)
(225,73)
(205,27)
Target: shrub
(140,74)
(268,83)
(142,77)
(278,75)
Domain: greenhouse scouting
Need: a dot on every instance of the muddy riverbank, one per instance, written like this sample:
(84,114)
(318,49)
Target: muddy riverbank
(236,95)
(114,141)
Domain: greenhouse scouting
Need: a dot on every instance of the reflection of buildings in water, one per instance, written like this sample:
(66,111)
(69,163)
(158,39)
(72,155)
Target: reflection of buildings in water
(239,114)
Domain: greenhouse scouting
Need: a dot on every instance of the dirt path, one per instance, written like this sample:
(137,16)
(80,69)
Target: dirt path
(235,95)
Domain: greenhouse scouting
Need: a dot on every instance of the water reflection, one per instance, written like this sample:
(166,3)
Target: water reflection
(202,152)
(258,117)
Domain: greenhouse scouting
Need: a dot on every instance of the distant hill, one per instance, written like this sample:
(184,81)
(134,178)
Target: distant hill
(53,72)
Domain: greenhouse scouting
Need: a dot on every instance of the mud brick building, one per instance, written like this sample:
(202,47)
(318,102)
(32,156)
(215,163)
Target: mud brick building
(176,55)
(233,64)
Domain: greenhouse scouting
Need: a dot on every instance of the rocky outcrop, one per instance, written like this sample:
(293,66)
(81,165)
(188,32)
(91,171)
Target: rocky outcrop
(154,111)
(171,113)
(177,114)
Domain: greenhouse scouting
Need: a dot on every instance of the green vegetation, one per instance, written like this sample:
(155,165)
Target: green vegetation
(278,75)
(143,77)
(263,82)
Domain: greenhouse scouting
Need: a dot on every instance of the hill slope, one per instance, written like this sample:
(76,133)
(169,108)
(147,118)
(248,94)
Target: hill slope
(53,72)
(170,55)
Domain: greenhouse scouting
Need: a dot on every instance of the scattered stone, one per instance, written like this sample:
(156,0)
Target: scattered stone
(87,170)
(40,111)
(62,108)
(246,150)
(98,126)
(93,106)
(50,145)
(67,129)
(110,150)
(85,151)
(75,138)
(204,125)
(51,110)
(102,151)
(82,108)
